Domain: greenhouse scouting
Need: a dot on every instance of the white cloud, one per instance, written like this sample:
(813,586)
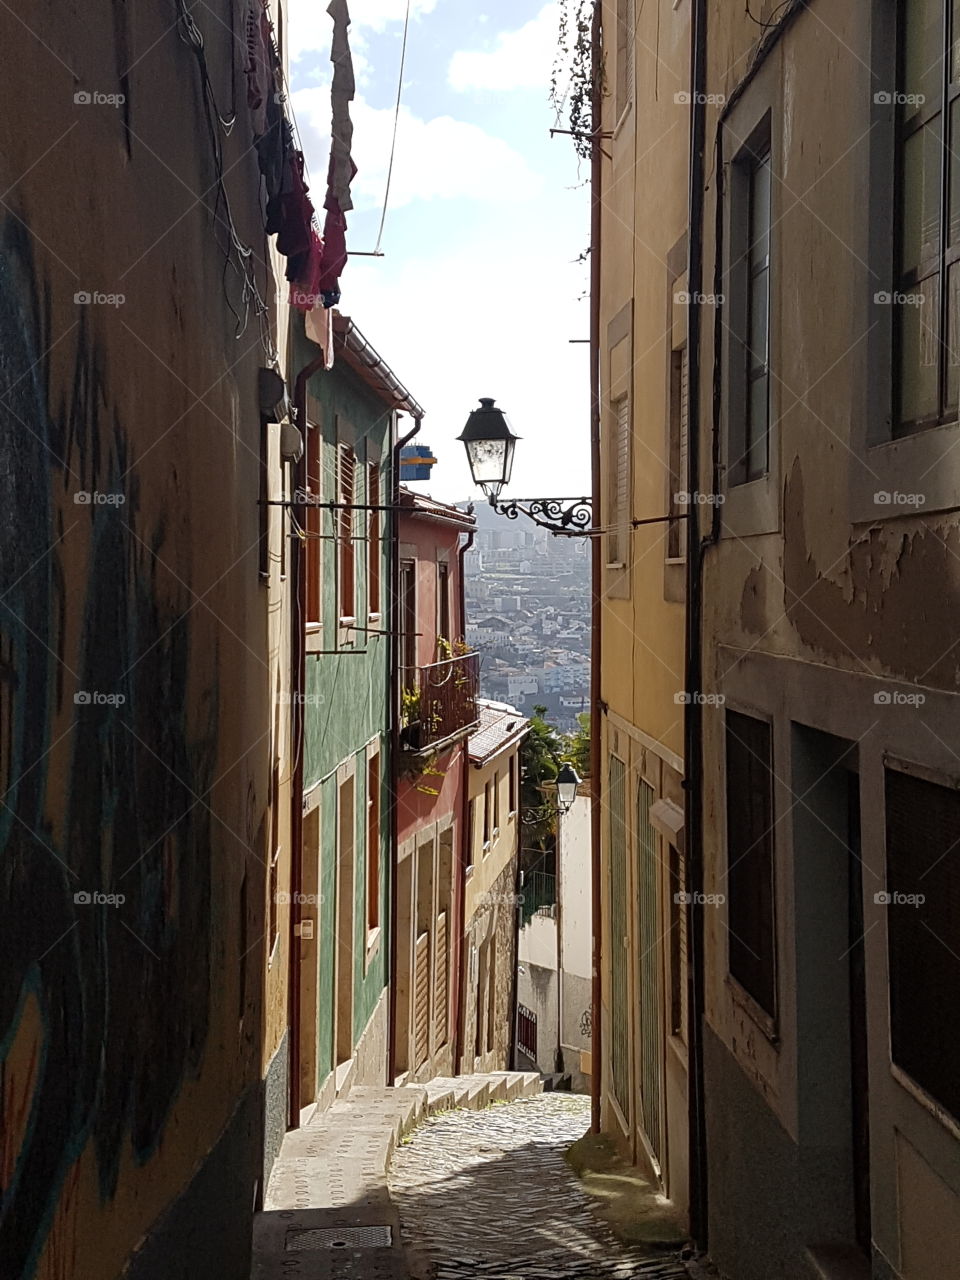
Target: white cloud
(440,158)
(521,59)
(309,26)
(458,326)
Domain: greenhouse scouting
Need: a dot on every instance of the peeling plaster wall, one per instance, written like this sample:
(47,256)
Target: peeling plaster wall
(818,598)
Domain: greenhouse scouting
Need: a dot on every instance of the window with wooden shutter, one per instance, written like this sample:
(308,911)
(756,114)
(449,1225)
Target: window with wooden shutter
(312,516)
(750,858)
(618,891)
(750,370)
(374,540)
(373,842)
(923,932)
(618,484)
(648,969)
(346,479)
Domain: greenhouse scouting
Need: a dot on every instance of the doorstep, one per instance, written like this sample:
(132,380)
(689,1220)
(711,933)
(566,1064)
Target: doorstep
(839,1262)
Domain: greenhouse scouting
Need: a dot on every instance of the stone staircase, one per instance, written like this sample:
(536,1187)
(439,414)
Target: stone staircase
(327,1199)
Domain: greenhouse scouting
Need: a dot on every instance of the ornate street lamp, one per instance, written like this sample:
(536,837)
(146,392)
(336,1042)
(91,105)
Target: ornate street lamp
(490,442)
(566,782)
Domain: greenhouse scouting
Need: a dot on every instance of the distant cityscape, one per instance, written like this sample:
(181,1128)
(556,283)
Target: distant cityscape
(528,615)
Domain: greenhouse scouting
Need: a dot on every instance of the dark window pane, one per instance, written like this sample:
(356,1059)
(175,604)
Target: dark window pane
(953,336)
(923,860)
(750,916)
(921,196)
(919,395)
(924,27)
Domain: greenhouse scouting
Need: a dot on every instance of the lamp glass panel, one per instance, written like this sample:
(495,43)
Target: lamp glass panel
(488,460)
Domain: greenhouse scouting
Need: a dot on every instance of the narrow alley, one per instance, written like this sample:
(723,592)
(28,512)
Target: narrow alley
(406,879)
(464,1179)
(489,1194)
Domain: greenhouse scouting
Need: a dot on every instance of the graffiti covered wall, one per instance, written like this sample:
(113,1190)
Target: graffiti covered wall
(134,721)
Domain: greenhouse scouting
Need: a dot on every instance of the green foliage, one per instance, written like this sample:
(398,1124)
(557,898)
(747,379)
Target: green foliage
(540,757)
(409,706)
(571,81)
(576,745)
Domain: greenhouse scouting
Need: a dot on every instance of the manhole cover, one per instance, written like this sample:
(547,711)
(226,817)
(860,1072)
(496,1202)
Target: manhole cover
(340,1238)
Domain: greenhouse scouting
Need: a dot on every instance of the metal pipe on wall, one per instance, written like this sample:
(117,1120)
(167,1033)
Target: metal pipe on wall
(393,685)
(298,598)
(596,177)
(693,619)
(464,849)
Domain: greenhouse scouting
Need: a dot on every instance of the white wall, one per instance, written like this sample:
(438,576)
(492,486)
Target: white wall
(575,888)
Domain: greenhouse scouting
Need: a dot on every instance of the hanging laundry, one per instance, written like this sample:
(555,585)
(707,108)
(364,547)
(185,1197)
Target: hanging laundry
(341,169)
(290,213)
(274,149)
(261,81)
(342,92)
(305,284)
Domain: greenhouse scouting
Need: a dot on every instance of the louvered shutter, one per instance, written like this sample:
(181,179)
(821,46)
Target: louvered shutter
(648,969)
(619,487)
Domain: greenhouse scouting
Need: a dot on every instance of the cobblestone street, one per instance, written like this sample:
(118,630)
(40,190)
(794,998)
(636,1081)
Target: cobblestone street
(489,1194)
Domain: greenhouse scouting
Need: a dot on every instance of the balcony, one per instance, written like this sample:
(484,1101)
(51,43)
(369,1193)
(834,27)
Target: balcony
(439,701)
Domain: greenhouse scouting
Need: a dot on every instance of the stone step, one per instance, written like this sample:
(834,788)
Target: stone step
(521,1084)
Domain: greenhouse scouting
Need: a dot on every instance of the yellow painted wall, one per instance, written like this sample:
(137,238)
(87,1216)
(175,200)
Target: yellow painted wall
(644,195)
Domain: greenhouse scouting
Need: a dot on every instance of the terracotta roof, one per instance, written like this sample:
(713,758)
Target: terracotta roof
(499,723)
(421,504)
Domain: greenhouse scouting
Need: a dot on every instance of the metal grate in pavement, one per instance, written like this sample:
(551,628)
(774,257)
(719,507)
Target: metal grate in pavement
(379,1237)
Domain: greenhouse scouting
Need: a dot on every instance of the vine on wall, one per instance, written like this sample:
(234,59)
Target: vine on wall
(571,80)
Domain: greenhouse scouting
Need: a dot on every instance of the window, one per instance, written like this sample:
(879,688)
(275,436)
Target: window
(274,929)
(444,625)
(927,306)
(750,868)
(487,814)
(311,524)
(373,842)
(496,802)
(750,312)
(626,43)
(346,476)
(512,772)
(471,835)
(408,621)
(679,432)
(618,482)
(374,544)
(923,932)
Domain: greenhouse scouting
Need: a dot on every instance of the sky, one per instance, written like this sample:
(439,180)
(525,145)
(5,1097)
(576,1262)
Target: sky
(480,289)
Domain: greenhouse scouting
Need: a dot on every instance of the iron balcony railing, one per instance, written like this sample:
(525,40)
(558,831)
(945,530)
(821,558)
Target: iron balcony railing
(539,893)
(440,700)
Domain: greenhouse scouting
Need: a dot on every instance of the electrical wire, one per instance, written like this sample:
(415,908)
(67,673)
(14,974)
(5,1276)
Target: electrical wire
(396,121)
(238,256)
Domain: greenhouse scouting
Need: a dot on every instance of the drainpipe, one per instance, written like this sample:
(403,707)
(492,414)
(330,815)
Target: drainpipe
(463,852)
(596,549)
(693,618)
(393,717)
(298,677)
(558,907)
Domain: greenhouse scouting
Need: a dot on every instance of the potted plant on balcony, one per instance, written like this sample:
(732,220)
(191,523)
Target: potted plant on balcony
(410,719)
